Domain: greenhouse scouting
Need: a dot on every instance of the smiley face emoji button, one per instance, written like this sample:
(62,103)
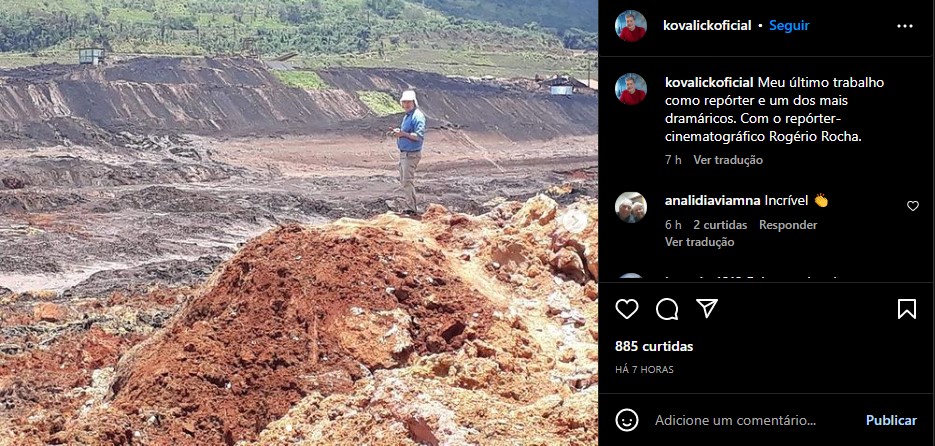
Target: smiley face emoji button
(627,420)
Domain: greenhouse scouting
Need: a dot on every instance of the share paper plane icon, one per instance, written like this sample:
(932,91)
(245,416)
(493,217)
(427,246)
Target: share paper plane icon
(707,305)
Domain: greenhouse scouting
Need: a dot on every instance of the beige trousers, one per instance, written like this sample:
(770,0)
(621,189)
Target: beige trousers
(408,162)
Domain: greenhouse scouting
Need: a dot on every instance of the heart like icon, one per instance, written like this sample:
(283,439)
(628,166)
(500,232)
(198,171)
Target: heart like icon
(626,303)
(913,205)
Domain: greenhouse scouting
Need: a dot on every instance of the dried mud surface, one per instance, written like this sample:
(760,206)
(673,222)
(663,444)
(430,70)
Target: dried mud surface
(192,253)
(127,166)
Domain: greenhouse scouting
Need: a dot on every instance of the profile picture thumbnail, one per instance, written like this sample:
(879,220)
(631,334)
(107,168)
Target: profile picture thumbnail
(631,26)
(631,89)
(631,207)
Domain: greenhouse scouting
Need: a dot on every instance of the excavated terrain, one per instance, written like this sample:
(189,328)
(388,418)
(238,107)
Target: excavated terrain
(454,330)
(192,253)
(240,97)
(123,168)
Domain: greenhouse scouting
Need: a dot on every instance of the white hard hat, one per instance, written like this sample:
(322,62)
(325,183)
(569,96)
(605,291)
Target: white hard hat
(408,95)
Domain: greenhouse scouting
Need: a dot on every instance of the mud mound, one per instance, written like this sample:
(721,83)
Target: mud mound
(458,329)
(12,183)
(71,171)
(531,379)
(36,73)
(273,327)
(291,202)
(136,281)
(23,201)
(57,359)
(199,95)
(168,199)
(238,97)
(48,382)
(28,264)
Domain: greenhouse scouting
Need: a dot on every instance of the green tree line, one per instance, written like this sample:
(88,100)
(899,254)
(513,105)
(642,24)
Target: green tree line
(219,26)
(559,15)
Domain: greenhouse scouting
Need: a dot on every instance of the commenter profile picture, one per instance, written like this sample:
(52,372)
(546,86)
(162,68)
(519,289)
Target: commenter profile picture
(631,207)
(631,26)
(631,89)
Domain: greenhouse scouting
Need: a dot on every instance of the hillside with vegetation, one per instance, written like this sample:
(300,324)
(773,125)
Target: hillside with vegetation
(307,26)
(567,17)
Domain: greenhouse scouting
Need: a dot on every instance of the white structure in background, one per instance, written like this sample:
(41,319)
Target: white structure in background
(90,56)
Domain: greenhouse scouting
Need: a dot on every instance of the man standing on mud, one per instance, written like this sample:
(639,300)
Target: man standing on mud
(410,135)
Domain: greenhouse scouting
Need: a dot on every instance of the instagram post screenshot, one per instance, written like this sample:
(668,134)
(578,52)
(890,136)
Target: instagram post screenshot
(766,218)
(299,222)
(377,222)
